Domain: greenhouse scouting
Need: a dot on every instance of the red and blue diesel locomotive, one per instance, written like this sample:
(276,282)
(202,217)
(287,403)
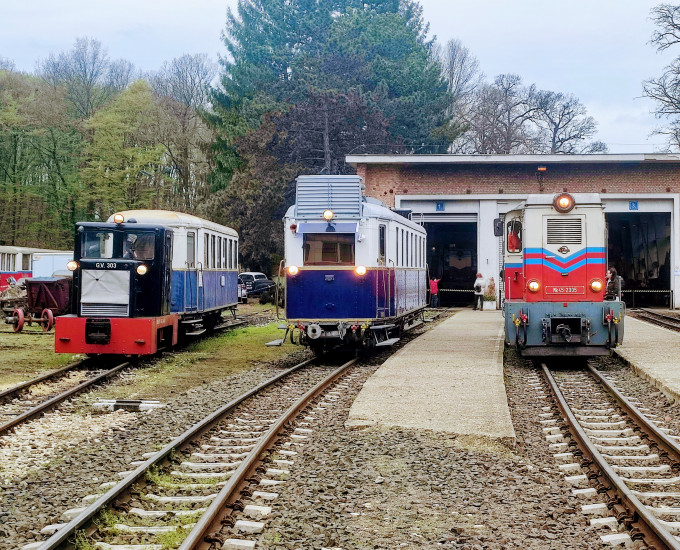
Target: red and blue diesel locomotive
(143,279)
(555,262)
(355,270)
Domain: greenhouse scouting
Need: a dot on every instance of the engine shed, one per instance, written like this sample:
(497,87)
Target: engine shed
(457,198)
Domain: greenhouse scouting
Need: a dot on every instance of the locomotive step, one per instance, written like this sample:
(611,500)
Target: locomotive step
(275,342)
(381,327)
(388,342)
(195,333)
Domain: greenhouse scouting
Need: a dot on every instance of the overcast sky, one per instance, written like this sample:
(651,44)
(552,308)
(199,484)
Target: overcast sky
(598,49)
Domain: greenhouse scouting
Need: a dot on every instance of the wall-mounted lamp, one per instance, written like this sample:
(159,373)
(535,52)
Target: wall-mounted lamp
(540,170)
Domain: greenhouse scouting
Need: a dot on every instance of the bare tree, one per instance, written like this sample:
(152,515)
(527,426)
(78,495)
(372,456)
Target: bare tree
(182,87)
(7,64)
(564,125)
(665,89)
(90,79)
(462,73)
(501,120)
(185,79)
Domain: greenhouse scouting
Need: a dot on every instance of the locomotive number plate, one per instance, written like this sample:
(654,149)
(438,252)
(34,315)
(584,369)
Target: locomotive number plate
(565,290)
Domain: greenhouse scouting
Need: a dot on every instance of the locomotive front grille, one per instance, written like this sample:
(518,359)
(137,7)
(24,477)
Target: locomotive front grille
(104,310)
(105,293)
(564,231)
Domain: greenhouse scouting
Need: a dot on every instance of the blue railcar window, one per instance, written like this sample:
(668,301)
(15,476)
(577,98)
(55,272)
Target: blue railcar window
(328,249)
(382,244)
(219,253)
(231,258)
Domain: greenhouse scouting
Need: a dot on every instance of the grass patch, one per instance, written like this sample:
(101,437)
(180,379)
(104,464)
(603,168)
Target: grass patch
(27,355)
(203,362)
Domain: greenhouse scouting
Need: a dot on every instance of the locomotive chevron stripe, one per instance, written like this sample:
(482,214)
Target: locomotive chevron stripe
(585,256)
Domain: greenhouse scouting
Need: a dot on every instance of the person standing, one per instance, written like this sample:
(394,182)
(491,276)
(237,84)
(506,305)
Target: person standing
(612,290)
(480,288)
(434,292)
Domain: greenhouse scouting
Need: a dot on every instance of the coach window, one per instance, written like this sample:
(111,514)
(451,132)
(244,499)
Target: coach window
(206,249)
(191,249)
(235,254)
(514,235)
(218,252)
(381,244)
(25,262)
(328,249)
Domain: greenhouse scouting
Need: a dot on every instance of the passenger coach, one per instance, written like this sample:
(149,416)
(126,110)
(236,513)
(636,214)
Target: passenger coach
(354,270)
(145,278)
(555,263)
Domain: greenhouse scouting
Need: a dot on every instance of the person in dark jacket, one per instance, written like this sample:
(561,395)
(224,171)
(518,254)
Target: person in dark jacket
(612,291)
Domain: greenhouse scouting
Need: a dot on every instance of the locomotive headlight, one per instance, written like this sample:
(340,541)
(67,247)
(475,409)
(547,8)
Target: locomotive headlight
(142,269)
(72,265)
(360,270)
(118,218)
(596,285)
(293,270)
(563,202)
(534,285)
(328,215)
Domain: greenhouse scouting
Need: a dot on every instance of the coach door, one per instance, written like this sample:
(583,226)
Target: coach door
(191,275)
(383,291)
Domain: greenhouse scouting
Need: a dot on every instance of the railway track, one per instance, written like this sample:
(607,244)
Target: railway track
(656,318)
(214,482)
(34,397)
(30,399)
(620,459)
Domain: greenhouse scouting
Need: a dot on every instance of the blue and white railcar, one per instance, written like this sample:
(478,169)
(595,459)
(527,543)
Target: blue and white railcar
(355,270)
(144,278)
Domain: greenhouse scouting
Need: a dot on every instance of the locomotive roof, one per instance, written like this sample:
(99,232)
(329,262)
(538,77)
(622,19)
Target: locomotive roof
(371,208)
(172,219)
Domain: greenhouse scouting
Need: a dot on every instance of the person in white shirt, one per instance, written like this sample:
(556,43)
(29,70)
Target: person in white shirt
(480,288)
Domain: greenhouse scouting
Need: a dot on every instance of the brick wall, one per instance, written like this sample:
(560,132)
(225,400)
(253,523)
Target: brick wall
(383,181)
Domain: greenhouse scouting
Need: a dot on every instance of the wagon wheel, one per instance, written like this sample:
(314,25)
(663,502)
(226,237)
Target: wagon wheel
(18,323)
(47,320)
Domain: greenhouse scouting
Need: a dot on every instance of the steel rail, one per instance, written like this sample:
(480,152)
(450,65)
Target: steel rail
(651,527)
(210,520)
(51,374)
(62,536)
(35,411)
(661,439)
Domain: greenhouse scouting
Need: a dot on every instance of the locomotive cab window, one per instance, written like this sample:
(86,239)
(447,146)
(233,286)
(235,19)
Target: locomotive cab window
(328,249)
(139,246)
(513,236)
(97,244)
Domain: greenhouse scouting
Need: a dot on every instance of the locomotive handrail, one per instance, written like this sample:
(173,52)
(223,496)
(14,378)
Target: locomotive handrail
(278,283)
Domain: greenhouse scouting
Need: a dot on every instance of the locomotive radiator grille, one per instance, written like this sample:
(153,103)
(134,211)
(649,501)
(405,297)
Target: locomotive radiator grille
(104,310)
(564,231)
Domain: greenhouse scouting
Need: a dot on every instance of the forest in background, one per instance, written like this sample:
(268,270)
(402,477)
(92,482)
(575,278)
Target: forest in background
(301,85)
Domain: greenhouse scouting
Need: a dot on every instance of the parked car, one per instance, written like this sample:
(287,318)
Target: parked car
(256,282)
(242,292)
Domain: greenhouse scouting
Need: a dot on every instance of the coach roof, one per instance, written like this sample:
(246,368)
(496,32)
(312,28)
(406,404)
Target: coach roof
(172,219)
